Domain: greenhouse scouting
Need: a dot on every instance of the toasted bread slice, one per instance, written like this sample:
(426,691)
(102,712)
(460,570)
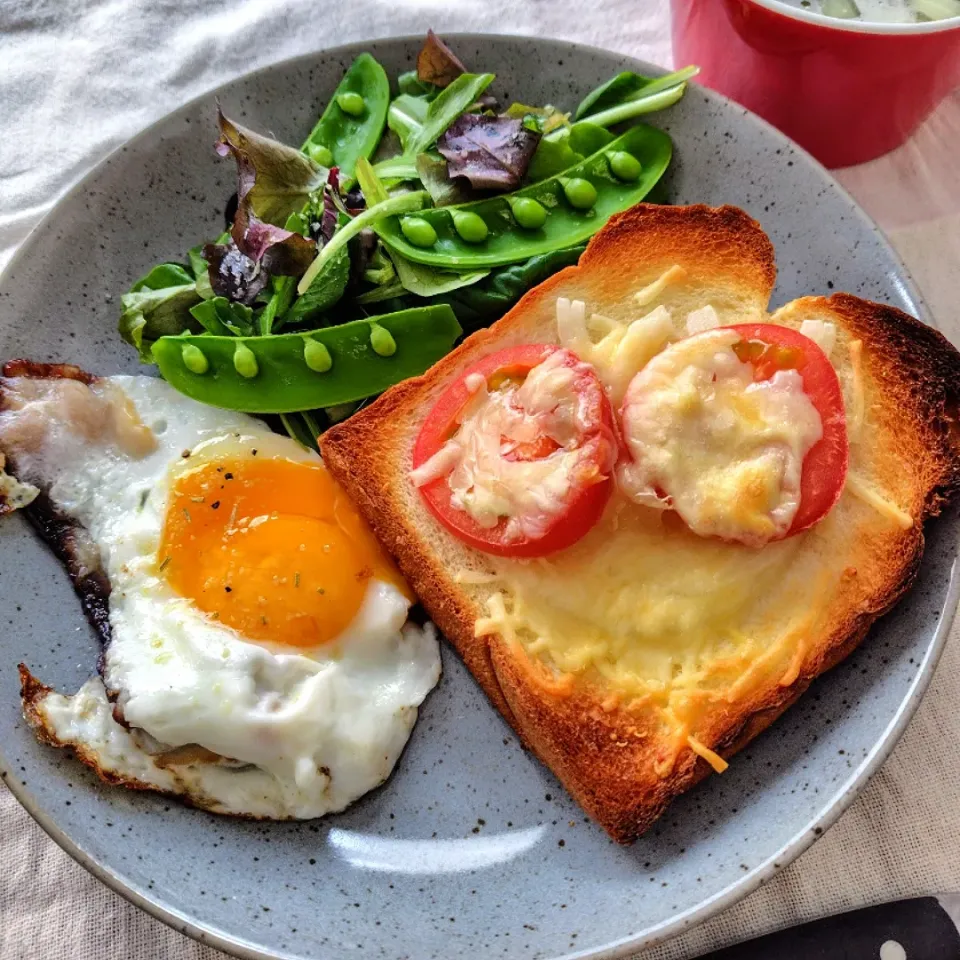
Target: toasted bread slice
(633,661)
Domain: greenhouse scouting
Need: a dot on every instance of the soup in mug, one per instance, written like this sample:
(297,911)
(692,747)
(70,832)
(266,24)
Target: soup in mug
(882,11)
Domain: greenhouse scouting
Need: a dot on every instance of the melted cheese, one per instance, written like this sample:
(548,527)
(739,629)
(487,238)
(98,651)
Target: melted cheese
(485,482)
(663,624)
(822,333)
(702,319)
(647,605)
(622,351)
(722,450)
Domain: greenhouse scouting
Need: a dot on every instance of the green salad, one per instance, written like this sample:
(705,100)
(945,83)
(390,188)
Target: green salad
(408,217)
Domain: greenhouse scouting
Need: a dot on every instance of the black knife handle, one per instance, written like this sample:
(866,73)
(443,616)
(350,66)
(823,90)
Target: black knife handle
(920,927)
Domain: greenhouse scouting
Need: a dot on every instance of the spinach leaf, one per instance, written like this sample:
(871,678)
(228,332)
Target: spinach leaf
(303,428)
(221,317)
(386,291)
(426,281)
(479,304)
(158,305)
(379,269)
(411,84)
(324,291)
(161,276)
(449,105)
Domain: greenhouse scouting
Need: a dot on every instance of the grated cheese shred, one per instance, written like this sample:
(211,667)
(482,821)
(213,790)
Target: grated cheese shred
(650,293)
(868,495)
(713,758)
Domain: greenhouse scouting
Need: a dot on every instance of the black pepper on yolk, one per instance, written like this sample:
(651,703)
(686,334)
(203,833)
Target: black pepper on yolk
(274,549)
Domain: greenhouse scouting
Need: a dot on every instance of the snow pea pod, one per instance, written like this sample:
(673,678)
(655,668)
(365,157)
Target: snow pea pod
(303,371)
(346,134)
(565,225)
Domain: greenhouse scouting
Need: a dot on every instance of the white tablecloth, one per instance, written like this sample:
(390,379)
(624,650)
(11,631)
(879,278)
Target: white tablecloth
(79,77)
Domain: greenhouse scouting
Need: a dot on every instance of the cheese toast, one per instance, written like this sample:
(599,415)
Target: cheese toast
(640,658)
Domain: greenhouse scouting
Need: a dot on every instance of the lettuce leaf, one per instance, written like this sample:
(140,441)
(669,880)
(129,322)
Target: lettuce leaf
(406,117)
(435,177)
(274,182)
(158,305)
(278,250)
(274,179)
(200,269)
(444,110)
(221,317)
(233,274)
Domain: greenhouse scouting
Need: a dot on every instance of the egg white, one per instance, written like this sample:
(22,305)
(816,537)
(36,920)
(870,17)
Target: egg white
(308,731)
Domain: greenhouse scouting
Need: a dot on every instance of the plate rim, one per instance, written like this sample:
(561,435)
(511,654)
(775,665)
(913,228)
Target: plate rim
(734,892)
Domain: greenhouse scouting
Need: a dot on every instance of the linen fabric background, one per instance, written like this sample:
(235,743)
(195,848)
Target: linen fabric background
(79,78)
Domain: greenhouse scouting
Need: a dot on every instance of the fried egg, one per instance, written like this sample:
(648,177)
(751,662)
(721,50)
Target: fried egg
(257,655)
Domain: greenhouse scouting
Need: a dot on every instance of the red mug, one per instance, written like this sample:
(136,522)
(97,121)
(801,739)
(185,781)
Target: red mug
(846,90)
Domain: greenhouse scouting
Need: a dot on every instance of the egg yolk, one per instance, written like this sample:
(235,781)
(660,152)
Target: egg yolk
(274,549)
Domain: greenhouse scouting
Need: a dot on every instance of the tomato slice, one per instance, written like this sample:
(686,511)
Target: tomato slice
(770,347)
(594,440)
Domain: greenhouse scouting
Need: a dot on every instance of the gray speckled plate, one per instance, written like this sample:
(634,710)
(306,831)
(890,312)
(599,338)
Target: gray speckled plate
(472,848)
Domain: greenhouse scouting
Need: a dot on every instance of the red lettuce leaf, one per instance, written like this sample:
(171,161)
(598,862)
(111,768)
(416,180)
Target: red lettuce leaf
(240,270)
(437,63)
(273,179)
(280,251)
(233,274)
(331,215)
(493,153)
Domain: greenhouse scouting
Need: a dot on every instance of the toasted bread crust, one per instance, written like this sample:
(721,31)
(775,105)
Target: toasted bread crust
(606,758)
